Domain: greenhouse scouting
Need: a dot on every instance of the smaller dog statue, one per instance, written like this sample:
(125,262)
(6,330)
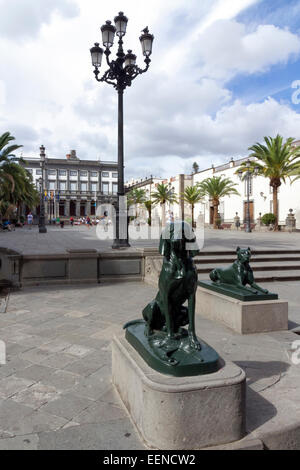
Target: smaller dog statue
(239,274)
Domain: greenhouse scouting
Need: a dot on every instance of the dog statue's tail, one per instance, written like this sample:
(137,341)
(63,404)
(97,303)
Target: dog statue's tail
(133,322)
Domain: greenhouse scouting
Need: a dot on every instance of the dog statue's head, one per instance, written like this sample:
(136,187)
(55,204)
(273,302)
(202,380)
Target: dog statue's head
(243,254)
(180,236)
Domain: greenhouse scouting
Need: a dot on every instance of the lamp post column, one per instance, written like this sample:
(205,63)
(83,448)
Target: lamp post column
(121,234)
(248,222)
(120,74)
(42,227)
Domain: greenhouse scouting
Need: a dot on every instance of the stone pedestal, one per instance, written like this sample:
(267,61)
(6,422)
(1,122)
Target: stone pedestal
(242,317)
(290,221)
(179,413)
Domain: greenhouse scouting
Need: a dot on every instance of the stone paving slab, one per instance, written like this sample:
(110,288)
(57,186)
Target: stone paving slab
(56,392)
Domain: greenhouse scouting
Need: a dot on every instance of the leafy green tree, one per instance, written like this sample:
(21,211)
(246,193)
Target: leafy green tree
(277,161)
(216,188)
(192,195)
(268,219)
(163,194)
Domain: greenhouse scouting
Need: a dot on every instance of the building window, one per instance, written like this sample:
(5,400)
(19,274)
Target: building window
(115,175)
(73,173)
(62,172)
(73,186)
(38,172)
(94,187)
(115,188)
(83,173)
(62,185)
(94,174)
(52,185)
(105,188)
(29,170)
(51,172)
(105,174)
(83,186)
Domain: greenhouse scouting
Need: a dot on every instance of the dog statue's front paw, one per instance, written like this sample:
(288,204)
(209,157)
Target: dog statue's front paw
(169,343)
(193,342)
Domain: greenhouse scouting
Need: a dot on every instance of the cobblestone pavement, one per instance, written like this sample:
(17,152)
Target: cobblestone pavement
(55,389)
(57,240)
(56,392)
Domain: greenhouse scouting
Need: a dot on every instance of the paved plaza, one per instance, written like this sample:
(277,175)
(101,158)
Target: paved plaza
(55,389)
(56,392)
(57,240)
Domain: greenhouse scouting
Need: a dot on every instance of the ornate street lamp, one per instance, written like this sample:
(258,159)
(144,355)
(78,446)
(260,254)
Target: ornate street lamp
(120,74)
(42,227)
(246,176)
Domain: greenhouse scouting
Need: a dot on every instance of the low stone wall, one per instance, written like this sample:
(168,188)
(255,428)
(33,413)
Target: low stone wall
(73,267)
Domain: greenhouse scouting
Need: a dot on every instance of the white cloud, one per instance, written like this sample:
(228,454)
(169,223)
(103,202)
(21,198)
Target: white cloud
(24,18)
(178,112)
(226,48)
(230,132)
(2,93)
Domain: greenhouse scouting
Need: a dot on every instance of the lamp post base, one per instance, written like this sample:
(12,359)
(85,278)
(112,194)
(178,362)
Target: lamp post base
(42,230)
(120,243)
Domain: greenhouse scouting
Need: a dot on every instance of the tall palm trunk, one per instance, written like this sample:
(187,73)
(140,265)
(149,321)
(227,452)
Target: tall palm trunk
(163,215)
(150,215)
(275,207)
(215,206)
(193,223)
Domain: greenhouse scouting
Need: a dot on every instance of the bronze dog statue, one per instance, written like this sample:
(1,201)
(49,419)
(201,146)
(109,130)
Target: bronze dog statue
(177,284)
(239,274)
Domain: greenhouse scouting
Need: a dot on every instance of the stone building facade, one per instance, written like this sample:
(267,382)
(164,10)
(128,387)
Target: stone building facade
(261,196)
(74,187)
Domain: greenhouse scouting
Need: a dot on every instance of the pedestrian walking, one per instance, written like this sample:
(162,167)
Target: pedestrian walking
(30,220)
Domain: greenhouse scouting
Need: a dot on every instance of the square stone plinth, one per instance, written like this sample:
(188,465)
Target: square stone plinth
(242,317)
(173,413)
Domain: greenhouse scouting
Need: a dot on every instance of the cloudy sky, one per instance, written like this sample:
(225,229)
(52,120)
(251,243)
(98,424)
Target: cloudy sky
(220,79)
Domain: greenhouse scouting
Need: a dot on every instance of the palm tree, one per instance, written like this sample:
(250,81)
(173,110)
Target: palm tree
(164,193)
(216,188)
(6,153)
(23,190)
(277,161)
(195,167)
(192,195)
(7,183)
(5,150)
(135,197)
(148,204)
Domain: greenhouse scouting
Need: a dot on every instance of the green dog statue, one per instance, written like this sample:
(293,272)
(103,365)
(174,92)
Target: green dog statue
(160,338)
(239,274)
